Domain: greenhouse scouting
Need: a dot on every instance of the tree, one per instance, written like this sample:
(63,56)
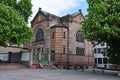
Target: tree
(102,25)
(24,7)
(13,22)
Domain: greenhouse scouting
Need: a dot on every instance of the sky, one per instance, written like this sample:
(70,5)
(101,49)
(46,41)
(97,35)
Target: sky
(59,7)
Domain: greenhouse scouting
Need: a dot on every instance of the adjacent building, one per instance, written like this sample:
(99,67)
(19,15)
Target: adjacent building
(12,57)
(101,58)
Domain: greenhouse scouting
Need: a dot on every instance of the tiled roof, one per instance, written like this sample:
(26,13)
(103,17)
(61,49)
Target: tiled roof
(65,18)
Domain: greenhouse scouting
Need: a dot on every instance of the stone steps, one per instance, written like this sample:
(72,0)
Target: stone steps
(49,66)
(40,66)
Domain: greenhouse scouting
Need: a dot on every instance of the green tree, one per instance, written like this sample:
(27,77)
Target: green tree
(102,25)
(24,7)
(14,27)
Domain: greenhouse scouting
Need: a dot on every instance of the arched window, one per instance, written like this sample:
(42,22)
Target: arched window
(79,37)
(39,35)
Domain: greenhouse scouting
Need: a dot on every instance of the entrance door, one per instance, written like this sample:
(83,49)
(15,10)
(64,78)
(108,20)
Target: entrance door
(44,57)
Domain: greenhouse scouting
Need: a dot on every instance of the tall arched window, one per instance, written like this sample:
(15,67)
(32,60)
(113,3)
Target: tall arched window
(79,37)
(39,35)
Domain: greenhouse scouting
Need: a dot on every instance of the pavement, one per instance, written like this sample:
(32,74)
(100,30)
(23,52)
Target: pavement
(57,74)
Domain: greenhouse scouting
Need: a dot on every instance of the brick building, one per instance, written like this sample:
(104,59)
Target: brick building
(58,40)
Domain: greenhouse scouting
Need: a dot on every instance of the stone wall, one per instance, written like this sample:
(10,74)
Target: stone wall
(75,60)
(58,43)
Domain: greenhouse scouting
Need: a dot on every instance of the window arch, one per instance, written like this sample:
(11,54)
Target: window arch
(39,35)
(79,37)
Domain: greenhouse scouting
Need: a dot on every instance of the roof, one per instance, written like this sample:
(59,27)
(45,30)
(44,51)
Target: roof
(11,49)
(66,18)
(59,24)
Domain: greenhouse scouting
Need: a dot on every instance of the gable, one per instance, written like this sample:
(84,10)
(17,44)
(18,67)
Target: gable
(38,18)
(43,16)
(78,18)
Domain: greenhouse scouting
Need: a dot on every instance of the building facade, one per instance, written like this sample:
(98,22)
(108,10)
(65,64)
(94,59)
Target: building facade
(12,57)
(58,40)
(101,58)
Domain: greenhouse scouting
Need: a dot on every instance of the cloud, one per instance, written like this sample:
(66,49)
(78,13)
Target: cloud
(54,6)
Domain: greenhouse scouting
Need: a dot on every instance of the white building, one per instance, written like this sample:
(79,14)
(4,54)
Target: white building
(101,56)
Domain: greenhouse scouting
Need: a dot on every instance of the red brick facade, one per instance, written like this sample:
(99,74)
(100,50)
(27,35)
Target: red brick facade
(56,36)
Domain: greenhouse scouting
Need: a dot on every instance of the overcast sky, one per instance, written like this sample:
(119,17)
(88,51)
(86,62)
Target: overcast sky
(59,7)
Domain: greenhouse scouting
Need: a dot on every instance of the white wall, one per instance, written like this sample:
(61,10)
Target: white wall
(4,57)
(100,55)
(25,56)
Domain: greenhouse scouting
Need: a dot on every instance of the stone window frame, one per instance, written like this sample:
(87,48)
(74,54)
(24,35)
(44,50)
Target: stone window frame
(64,35)
(80,51)
(53,35)
(79,36)
(39,34)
